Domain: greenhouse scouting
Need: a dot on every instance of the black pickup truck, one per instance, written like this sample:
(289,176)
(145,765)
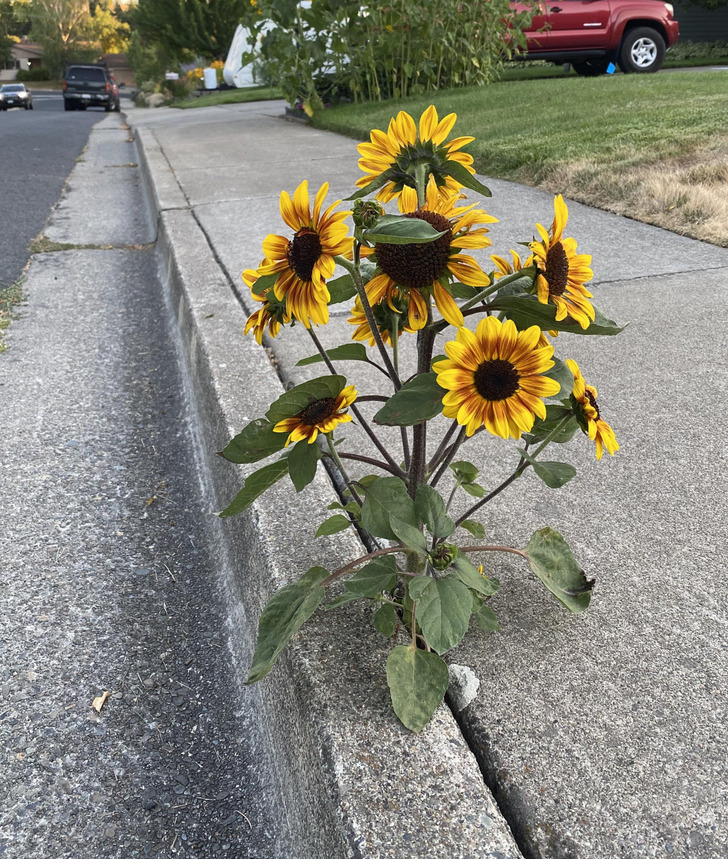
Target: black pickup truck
(89,85)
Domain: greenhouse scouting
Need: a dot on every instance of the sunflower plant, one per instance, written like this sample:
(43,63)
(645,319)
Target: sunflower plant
(412,275)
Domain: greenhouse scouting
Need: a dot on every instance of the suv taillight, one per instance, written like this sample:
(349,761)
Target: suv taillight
(107,86)
(65,86)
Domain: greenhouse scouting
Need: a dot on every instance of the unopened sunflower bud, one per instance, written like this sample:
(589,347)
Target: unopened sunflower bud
(443,556)
(367,213)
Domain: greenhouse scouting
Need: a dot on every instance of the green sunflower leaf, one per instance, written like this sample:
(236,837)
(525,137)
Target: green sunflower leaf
(284,614)
(398,230)
(475,528)
(377,576)
(486,619)
(464,177)
(342,599)
(417,683)
(543,428)
(469,575)
(256,441)
(296,400)
(255,485)
(409,535)
(563,375)
(527,311)
(386,497)
(464,470)
(474,489)
(443,609)
(377,183)
(418,400)
(463,292)
(385,619)
(332,525)
(347,352)
(341,289)
(302,463)
(552,561)
(520,286)
(553,474)
(264,283)
(431,510)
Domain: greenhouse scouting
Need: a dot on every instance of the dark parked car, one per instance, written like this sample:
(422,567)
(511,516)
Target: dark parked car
(89,85)
(15,95)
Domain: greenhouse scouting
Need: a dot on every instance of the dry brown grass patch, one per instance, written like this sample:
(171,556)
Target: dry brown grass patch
(687,195)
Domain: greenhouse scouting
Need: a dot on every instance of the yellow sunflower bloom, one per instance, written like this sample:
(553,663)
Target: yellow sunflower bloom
(320,416)
(587,413)
(305,262)
(383,320)
(406,144)
(562,272)
(416,271)
(494,378)
(271,315)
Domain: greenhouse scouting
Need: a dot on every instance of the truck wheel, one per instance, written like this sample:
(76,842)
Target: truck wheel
(590,68)
(68,105)
(643,50)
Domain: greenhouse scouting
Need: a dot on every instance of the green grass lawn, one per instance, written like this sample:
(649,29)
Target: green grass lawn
(229,96)
(522,129)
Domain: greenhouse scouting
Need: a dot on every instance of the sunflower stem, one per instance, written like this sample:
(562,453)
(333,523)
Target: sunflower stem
(484,293)
(449,457)
(369,313)
(397,472)
(435,461)
(340,465)
(520,468)
(342,571)
(421,184)
(355,411)
(395,341)
(418,463)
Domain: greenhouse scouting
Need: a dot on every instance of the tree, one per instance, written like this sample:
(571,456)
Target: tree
(188,28)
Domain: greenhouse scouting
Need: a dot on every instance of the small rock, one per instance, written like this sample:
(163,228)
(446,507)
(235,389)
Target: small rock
(463,687)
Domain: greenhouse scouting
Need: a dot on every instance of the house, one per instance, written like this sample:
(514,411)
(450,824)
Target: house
(25,55)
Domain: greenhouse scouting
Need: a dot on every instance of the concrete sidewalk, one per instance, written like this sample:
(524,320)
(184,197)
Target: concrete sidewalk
(598,736)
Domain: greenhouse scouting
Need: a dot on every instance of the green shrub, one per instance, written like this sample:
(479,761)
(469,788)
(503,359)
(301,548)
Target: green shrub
(29,75)
(340,49)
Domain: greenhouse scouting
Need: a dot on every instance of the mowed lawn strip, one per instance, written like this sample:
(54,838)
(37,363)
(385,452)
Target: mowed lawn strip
(604,141)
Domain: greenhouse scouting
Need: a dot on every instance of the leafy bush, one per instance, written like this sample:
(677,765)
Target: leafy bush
(699,50)
(29,75)
(373,52)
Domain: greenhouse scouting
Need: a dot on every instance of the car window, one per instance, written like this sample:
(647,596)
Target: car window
(12,88)
(87,75)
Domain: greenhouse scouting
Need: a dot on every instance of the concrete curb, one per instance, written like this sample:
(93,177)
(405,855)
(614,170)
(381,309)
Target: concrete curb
(353,782)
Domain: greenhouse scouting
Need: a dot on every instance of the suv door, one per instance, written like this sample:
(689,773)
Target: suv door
(578,24)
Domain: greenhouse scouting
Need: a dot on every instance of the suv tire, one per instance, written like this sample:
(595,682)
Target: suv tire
(68,105)
(590,68)
(642,51)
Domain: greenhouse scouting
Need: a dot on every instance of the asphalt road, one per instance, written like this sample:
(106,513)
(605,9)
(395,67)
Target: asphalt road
(38,149)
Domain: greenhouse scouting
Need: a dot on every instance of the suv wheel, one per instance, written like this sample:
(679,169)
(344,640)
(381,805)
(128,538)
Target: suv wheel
(643,50)
(590,68)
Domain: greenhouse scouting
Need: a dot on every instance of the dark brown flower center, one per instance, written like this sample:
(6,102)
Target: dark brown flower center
(557,269)
(496,380)
(303,252)
(592,401)
(418,266)
(317,411)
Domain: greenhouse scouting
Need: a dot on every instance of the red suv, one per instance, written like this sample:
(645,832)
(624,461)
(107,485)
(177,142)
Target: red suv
(591,34)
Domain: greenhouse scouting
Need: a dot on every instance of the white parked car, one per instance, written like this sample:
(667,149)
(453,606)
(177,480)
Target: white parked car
(15,95)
